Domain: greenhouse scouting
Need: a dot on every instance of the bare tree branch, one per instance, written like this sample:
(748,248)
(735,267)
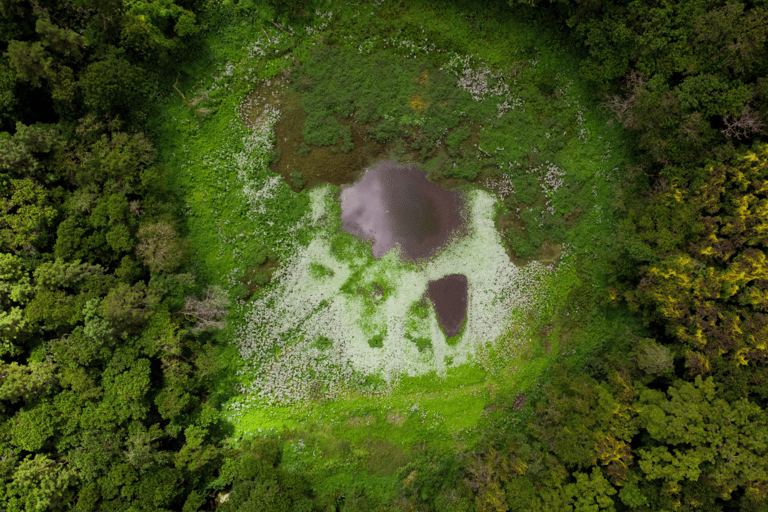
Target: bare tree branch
(265,33)
(209,312)
(746,123)
(178,91)
(622,105)
(281,28)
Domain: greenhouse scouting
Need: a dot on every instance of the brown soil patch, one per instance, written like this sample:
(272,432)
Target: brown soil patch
(360,421)
(394,418)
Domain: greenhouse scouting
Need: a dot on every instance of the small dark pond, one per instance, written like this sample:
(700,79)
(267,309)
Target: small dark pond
(449,295)
(395,204)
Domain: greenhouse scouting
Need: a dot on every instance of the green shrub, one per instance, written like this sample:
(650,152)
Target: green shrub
(260,278)
(546,82)
(367,113)
(321,129)
(318,270)
(299,179)
(526,187)
(540,225)
(377,341)
(346,136)
(467,168)
(275,155)
(323,343)
(455,138)
(239,292)
(257,258)
(564,200)
(522,246)
(422,343)
(435,167)
(386,130)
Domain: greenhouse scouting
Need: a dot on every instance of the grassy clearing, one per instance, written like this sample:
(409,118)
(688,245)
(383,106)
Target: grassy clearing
(484,105)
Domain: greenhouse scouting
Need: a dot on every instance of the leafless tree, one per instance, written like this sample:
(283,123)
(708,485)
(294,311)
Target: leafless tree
(208,312)
(135,208)
(622,105)
(746,123)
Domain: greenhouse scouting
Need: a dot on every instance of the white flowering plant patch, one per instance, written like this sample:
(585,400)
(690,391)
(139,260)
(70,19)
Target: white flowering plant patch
(309,335)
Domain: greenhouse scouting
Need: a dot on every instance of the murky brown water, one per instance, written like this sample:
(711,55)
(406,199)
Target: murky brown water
(395,204)
(449,295)
(265,98)
(321,164)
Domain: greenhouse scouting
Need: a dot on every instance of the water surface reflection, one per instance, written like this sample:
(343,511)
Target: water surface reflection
(449,295)
(395,204)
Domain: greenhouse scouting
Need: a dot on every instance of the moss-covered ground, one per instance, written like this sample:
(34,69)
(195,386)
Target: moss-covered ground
(480,101)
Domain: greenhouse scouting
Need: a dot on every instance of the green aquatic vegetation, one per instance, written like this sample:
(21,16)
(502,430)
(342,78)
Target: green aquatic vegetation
(455,138)
(363,295)
(422,343)
(377,341)
(319,271)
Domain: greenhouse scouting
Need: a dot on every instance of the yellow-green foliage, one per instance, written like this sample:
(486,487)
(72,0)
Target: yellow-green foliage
(711,290)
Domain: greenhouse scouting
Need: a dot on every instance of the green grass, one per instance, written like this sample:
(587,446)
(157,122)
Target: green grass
(557,123)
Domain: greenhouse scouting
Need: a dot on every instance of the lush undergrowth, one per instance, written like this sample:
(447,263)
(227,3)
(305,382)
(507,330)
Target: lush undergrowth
(479,103)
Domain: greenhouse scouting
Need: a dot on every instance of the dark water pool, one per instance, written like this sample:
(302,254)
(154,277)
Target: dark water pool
(395,204)
(449,295)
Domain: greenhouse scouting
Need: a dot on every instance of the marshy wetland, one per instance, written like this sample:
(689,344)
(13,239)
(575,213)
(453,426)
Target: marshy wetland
(401,225)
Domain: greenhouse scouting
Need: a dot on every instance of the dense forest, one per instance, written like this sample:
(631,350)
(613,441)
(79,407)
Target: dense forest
(110,370)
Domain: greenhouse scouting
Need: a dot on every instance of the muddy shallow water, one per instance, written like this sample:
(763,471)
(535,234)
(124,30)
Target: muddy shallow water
(394,204)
